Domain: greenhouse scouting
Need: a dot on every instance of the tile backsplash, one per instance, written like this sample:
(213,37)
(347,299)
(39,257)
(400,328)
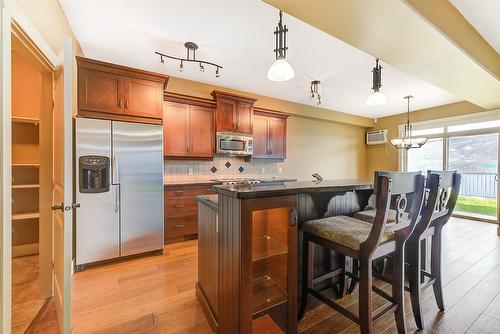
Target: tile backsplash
(220,167)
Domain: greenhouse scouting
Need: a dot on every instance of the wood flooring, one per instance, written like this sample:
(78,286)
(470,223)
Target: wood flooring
(25,292)
(157,294)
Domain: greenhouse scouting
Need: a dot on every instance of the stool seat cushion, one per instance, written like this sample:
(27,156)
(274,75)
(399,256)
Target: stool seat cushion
(369,216)
(343,230)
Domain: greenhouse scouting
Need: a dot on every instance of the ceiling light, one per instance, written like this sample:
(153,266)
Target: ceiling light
(280,70)
(407,141)
(190,57)
(377,97)
(314,92)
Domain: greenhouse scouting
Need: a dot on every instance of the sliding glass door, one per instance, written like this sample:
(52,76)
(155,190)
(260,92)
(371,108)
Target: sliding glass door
(471,148)
(476,158)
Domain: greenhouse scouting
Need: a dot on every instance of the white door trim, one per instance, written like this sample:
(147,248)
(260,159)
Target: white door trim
(5,172)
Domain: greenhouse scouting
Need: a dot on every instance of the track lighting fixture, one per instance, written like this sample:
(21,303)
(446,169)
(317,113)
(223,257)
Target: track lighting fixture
(314,92)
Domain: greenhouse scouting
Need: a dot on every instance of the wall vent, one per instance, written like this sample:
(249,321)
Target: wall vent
(376,137)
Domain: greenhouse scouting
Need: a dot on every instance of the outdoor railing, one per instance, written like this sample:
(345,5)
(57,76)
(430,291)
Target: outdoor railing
(479,185)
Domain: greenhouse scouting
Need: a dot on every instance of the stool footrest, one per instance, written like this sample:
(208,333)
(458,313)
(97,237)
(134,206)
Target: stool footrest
(327,275)
(390,308)
(334,305)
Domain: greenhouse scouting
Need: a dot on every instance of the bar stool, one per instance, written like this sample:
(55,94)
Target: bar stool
(444,188)
(357,239)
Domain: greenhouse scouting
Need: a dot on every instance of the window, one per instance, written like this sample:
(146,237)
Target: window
(429,156)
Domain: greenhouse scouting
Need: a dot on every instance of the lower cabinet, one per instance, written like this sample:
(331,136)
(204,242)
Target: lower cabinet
(181,210)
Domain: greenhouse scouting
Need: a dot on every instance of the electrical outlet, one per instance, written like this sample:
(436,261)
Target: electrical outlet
(190,170)
(263,170)
(280,170)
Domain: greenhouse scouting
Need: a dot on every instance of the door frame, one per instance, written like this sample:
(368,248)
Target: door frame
(5,172)
(11,14)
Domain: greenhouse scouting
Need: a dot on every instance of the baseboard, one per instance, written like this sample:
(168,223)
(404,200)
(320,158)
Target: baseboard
(24,250)
(38,316)
(205,307)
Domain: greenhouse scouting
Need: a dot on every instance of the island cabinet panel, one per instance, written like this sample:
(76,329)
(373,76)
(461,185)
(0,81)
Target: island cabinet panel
(181,210)
(234,113)
(257,244)
(188,131)
(114,92)
(269,135)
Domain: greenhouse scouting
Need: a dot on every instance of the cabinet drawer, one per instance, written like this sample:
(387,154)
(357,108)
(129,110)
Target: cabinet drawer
(181,192)
(178,227)
(175,206)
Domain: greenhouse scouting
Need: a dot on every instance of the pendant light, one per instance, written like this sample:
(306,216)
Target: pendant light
(280,70)
(407,141)
(376,98)
(314,92)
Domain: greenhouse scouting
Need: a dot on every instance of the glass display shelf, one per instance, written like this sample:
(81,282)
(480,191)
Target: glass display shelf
(266,294)
(266,247)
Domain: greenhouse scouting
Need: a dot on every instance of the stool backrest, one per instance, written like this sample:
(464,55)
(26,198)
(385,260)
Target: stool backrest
(401,192)
(446,198)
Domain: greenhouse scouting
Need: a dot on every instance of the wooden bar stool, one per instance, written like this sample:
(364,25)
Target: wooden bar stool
(443,190)
(402,192)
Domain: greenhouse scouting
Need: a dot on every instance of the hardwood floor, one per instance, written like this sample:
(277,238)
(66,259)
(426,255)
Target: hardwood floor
(25,292)
(157,294)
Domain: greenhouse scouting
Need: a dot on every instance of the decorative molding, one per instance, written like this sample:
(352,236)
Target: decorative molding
(270,112)
(192,100)
(217,94)
(118,117)
(97,65)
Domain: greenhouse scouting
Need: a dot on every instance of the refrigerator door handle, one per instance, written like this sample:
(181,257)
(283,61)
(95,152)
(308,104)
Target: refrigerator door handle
(116,170)
(116,198)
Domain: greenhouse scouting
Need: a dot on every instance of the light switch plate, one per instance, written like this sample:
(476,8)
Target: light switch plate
(190,170)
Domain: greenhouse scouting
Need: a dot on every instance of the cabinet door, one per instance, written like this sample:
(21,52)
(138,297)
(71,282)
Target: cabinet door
(277,137)
(260,137)
(201,129)
(226,115)
(244,117)
(100,91)
(143,98)
(175,129)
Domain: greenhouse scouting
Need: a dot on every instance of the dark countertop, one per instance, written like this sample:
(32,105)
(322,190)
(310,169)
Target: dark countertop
(292,188)
(212,201)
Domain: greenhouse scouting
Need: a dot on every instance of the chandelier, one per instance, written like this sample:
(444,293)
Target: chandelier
(190,58)
(280,70)
(314,92)
(376,98)
(407,141)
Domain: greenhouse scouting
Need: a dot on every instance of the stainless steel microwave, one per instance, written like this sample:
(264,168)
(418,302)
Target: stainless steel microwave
(234,143)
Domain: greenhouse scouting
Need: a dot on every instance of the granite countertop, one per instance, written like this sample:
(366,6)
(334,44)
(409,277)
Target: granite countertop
(291,188)
(212,201)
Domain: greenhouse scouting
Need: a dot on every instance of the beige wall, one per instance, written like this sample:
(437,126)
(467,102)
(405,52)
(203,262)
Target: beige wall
(319,141)
(385,157)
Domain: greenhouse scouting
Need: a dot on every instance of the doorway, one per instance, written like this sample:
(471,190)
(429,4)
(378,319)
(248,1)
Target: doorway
(32,119)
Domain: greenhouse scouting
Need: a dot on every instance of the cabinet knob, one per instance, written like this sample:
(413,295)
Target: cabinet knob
(179,192)
(179,225)
(126,104)
(179,206)
(119,103)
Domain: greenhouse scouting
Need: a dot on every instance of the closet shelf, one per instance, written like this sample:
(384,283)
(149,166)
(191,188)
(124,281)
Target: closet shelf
(26,165)
(25,186)
(18,119)
(28,215)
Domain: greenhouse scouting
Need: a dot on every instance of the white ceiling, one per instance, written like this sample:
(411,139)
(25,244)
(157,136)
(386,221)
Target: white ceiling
(484,15)
(239,36)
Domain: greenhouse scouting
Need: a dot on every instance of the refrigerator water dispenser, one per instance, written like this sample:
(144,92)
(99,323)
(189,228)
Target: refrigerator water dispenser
(94,174)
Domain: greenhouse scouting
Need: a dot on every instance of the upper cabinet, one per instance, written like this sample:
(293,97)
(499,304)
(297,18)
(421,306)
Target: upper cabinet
(119,93)
(233,113)
(269,135)
(188,130)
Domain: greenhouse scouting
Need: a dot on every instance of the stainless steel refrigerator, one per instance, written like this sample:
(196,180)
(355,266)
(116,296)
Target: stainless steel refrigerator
(119,185)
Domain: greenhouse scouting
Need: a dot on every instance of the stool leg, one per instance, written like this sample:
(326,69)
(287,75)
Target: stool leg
(307,272)
(436,268)
(342,276)
(365,296)
(355,270)
(398,286)
(413,253)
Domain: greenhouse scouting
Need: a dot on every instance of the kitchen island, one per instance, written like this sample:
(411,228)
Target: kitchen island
(249,249)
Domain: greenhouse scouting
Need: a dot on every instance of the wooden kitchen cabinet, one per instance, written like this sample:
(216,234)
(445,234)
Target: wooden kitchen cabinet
(233,113)
(269,135)
(188,130)
(181,210)
(114,92)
